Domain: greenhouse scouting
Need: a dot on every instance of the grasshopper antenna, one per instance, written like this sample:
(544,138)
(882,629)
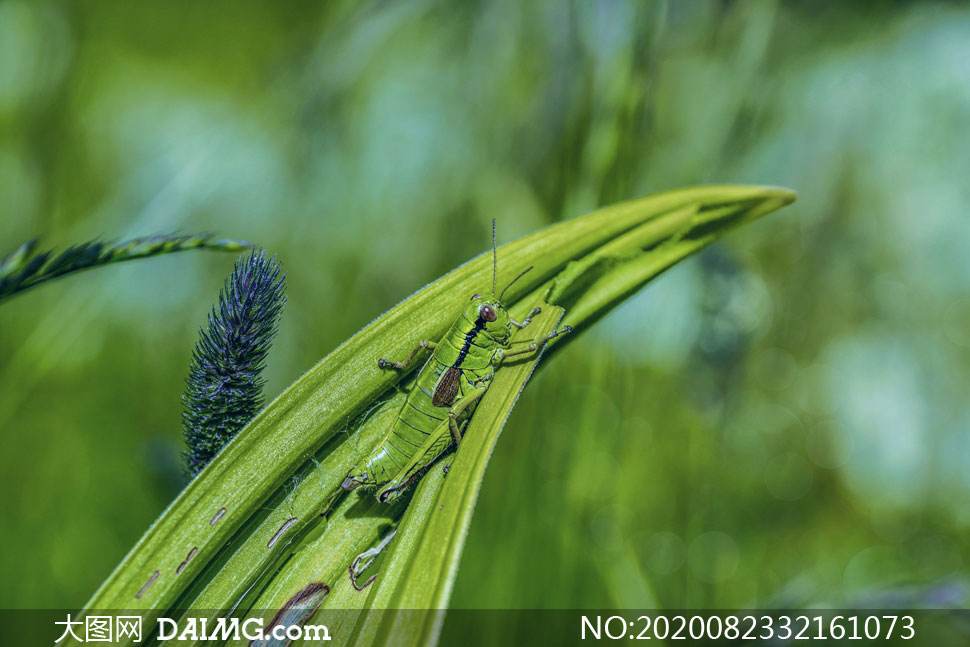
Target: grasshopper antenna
(494,259)
(524,272)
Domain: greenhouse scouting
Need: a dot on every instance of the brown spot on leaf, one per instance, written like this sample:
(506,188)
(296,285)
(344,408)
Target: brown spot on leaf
(299,608)
(220,513)
(279,533)
(148,584)
(188,558)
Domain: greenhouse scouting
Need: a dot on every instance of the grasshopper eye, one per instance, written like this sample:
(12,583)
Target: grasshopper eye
(476,296)
(487,313)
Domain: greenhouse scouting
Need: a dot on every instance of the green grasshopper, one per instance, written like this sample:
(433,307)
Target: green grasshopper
(447,391)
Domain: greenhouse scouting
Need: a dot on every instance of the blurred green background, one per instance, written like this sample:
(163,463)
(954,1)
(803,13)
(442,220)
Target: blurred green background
(780,420)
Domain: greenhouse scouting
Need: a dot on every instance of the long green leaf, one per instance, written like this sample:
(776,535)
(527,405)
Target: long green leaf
(26,267)
(248,532)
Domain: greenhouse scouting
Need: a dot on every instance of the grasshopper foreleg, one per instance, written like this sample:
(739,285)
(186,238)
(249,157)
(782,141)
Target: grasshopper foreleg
(423,345)
(534,344)
(527,320)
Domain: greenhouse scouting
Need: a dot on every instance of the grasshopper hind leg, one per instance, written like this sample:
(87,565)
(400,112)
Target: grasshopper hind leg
(354,481)
(388,494)
(350,483)
(362,475)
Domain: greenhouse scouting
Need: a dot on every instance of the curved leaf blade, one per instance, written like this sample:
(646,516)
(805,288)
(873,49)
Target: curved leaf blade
(221,513)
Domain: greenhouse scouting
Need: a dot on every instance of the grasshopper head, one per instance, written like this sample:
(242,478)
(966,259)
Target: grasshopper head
(491,315)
